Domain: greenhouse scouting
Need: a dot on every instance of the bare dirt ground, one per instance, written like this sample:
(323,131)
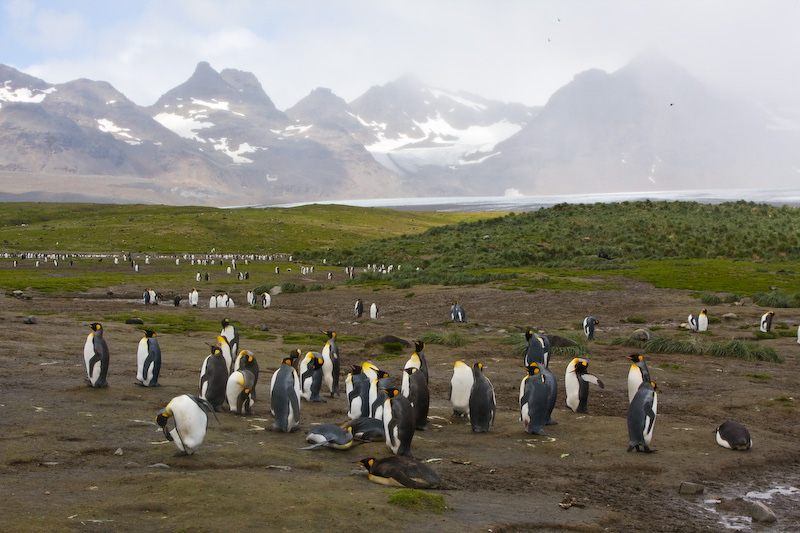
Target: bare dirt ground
(60,471)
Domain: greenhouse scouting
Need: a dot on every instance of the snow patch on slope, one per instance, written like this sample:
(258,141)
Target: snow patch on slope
(23,94)
(108,126)
(186,127)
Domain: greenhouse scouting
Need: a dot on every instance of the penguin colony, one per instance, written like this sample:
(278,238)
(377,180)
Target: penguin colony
(377,408)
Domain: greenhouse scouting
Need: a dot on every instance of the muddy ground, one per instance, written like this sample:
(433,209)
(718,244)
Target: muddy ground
(58,440)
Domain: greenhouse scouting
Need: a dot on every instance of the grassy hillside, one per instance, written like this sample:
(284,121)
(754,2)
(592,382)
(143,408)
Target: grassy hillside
(732,250)
(151,228)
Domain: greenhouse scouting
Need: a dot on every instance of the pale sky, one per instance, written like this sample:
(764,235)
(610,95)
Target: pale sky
(509,50)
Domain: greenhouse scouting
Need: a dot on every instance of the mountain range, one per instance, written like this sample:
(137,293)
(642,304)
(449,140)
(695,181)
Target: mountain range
(218,139)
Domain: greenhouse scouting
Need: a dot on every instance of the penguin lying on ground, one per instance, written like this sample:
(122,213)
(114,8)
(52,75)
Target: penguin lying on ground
(734,436)
(329,435)
(366,429)
(400,471)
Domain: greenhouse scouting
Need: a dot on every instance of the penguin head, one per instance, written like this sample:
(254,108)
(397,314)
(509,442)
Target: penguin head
(391,393)
(636,358)
(532,369)
(703,312)
(226,322)
(215,350)
(478,367)
(581,365)
(149,333)
(529,335)
(419,346)
(357,369)
(222,340)
(367,463)
(382,374)
(330,334)
(246,354)
(287,361)
(655,388)
(295,354)
(410,370)
(96,326)
(161,419)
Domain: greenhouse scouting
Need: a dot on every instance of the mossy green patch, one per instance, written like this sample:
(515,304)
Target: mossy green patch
(418,500)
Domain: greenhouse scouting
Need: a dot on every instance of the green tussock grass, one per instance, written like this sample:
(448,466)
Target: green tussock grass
(757,376)
(733,348)
(519,345)
(777,299)
(448,338)
(160,322)
(418,500)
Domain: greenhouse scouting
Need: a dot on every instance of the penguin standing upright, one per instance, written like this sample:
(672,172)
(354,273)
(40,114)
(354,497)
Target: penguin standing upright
(194,297)
(95,355)
(482,403)
(536,350)
(284,392)
(238,392)
(358,309)
(734,436)
(190,414)
(798,334)
(246,361)
(266,300)
(702,321)
(230,332)
(576,383)
(460,388)
(589,324)
(214,378)
(251,298)
(148,359)
(534,400)
(642,413)
(311,377)
(377,396)
(637,374)
(373,310)
(692,322)
(457,313)
(417,359)
(330,364)
(766,321)
(415,388)
(398,422)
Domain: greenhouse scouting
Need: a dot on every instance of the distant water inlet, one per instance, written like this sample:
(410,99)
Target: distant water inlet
(518,203)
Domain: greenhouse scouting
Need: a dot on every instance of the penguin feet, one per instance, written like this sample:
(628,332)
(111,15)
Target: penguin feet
(551,422)
(180,453)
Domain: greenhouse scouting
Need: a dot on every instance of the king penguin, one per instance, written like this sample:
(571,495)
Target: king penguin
(417,359)
(357,384)
(589,324)
(460,388)
(225,347)
(734,436)
(95,355)
(637,374)
(534,400)
(246,361)
(266,300)
(766,321)
(536,350)
(190,414)
(692,322)
(702,321)
(194,297)
(330,364)
(148,359)
(311,377)
(214,378)
(284,392)
(457,313)
(358,309)
(642,413)
(401,471)
(230,332)
(377,396)
(415,388)
(576,383)
(329,435)
(373,311)
(238,392)
(482,402)
(398,422)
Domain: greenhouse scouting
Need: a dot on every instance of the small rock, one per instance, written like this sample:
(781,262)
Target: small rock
(158,465)
(264,327)
(134,320)
(642,334)
(275,290)
(118,451)
(132,464)
(745,301)
(730,316)
(691,488)
(386,338)
(47,493)
(29,320)
(761,513)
